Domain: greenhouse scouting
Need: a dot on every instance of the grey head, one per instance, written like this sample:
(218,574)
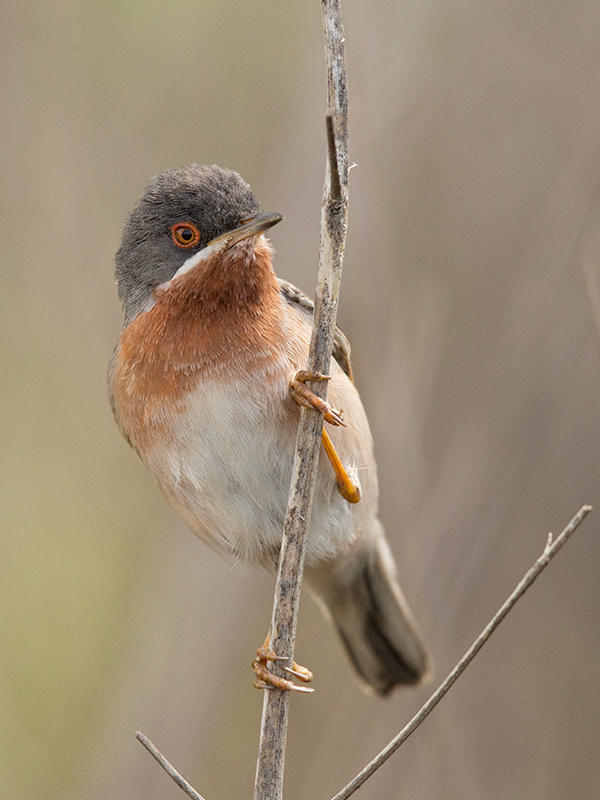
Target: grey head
(215,200)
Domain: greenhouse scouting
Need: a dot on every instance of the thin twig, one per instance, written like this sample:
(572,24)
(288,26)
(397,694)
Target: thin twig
(168,767)
(273,733)
(550,550)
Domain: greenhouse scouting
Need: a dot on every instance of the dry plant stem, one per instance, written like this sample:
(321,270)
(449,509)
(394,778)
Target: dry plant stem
(551,549)
(273,733)
(168,768)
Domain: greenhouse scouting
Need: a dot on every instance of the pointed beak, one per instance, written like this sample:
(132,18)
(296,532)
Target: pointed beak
(250,227)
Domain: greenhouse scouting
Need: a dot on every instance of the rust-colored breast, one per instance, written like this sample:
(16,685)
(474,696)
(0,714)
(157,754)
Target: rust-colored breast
(221,319)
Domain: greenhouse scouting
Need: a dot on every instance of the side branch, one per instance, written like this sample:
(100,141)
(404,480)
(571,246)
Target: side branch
(168,767)
(551,549)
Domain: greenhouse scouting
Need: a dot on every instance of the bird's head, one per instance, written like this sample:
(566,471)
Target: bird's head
(183,217)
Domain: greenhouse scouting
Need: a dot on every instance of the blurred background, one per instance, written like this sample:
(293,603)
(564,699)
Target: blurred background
(471,282)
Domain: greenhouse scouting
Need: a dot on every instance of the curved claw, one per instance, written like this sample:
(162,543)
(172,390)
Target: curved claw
(302,673)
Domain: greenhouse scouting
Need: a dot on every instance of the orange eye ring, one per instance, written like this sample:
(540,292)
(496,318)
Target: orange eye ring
(185,235)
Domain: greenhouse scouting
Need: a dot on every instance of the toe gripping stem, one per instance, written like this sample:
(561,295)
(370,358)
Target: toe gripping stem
(266,679)
(307,398)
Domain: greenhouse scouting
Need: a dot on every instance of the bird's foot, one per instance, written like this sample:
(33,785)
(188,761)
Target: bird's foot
(300,392)
(307,398)
(266,679)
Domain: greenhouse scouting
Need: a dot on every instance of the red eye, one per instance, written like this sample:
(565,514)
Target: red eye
(185,234)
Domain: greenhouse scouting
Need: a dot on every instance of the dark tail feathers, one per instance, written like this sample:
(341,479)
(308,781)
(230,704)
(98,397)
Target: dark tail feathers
(376,626)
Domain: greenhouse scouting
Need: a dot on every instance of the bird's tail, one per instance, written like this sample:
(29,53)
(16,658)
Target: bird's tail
(375,623)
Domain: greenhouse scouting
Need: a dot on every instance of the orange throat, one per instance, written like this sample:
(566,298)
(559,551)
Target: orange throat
(222,320)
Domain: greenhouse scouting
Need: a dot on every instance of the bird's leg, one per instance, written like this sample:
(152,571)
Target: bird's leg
(265,679)
(349,490)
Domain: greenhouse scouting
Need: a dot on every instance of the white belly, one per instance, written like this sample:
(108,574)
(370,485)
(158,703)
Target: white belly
(227,472)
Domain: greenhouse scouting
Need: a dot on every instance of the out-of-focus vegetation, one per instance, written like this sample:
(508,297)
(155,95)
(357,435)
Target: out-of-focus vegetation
(476,131)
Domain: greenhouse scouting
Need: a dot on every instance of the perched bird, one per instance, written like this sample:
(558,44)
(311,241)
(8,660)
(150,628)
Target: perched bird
(205,382)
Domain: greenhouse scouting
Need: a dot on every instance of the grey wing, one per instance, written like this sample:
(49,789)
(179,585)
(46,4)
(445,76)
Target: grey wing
(341,345)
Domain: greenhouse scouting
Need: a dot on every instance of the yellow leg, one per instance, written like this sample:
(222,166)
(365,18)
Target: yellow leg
(347,488)
(305,397)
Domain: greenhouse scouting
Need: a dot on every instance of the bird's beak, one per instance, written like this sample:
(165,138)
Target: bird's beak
(250,227)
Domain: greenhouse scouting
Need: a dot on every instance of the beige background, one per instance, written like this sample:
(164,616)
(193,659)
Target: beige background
(476,129)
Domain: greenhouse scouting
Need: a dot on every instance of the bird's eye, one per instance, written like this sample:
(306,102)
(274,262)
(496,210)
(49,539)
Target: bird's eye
(185,234)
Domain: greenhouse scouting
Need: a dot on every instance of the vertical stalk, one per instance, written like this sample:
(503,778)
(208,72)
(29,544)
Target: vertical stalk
(334,214)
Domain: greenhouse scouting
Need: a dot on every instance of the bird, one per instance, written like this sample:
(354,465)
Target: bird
(205,383)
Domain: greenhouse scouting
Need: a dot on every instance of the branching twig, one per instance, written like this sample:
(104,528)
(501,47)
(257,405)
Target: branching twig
(273,734)
(168,768)
(550,550)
